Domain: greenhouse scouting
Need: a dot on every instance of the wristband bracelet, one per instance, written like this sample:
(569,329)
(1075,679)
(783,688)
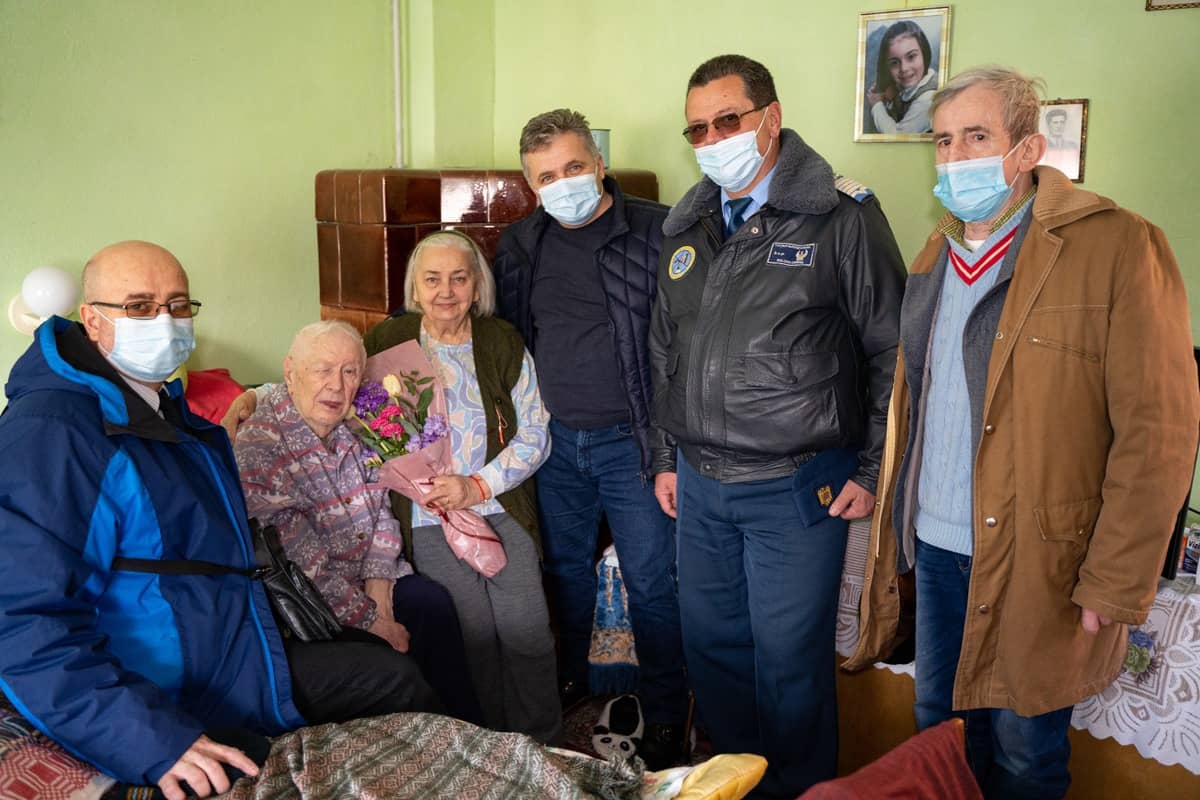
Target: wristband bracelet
(479,485)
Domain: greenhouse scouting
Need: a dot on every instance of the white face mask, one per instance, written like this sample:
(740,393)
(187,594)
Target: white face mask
(150,349)
(572,201)
(732,163)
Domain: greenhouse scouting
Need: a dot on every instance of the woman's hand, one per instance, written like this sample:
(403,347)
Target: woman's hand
(392,632)
(873,96)
(454,492)
(381,591)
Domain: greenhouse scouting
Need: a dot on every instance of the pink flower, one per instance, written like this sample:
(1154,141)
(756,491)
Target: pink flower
(391,429)
(389,411)
(377,423)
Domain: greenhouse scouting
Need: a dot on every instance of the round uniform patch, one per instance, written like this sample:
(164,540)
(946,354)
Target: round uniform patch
(681,261)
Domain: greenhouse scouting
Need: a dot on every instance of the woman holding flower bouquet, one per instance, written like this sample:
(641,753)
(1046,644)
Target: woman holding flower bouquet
(303,471)
(498,438)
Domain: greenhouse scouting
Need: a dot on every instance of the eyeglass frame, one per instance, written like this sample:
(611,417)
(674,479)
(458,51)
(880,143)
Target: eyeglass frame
(713,124)
(192,305)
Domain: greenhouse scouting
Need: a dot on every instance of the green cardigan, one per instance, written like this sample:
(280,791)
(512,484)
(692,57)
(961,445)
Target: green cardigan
(499,352)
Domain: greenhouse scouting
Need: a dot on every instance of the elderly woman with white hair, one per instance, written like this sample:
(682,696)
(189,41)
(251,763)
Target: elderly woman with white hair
(303,471)
(499,437)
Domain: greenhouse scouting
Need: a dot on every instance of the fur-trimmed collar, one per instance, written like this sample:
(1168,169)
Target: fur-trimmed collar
(802,184)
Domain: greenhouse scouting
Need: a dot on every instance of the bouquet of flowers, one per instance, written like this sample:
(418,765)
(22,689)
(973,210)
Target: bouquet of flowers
(393,416)
(400,414)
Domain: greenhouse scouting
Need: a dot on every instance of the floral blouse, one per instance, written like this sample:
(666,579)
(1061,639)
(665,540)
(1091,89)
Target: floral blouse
(524,453)
(336,529)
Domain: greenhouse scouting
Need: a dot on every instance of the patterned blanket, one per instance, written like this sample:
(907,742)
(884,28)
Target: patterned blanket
(405,756)
(396,757)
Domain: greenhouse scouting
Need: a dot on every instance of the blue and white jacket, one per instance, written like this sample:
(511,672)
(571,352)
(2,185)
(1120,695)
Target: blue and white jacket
(125,669)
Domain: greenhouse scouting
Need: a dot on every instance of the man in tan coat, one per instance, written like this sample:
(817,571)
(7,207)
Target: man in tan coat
(1041,440)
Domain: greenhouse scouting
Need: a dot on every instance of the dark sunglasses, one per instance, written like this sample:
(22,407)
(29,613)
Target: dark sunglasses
(724,124)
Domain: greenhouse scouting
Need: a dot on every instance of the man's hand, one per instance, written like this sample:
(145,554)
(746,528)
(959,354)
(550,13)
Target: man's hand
(393,632)
(853,502)
(452,492)
(200,768)
(239,411)
(1093,622)
(664,492)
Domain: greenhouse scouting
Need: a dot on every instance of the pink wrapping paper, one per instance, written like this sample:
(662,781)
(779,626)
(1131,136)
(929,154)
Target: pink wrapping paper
(467,533)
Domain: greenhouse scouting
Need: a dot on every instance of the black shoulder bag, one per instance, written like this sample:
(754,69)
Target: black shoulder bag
(300,610)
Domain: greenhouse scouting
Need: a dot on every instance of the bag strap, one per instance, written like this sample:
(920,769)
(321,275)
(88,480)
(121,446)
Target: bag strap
(179,566)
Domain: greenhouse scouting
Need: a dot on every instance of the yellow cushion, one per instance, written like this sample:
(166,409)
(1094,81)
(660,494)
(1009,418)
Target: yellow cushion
(723,777)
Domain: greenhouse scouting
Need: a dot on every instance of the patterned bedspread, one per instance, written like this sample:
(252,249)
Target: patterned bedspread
(424,755)
(396,757)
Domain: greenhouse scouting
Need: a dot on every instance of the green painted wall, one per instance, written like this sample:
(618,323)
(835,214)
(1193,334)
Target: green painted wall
(625,64)
(198,125)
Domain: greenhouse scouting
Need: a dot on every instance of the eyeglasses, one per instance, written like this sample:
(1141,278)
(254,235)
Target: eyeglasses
(724,124)
(148,309)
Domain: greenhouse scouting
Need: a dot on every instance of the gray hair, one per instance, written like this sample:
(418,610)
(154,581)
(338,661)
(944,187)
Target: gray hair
(317,330)
(541,130)
(485,284)
(1021,96)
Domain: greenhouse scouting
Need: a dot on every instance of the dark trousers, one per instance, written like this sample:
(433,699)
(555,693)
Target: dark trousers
(1013,757)
(758,593)
(360,675)
(590,472)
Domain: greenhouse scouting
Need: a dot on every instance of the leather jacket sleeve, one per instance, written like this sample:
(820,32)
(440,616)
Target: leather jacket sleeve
(872,286)
(662,331)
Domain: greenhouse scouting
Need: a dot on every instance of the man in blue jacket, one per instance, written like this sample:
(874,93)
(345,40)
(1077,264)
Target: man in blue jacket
(144,674)
(577,279)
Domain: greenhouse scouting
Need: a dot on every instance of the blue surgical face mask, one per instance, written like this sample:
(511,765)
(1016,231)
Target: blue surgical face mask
(572,201)
(974,189)
(150,349)
(732,163)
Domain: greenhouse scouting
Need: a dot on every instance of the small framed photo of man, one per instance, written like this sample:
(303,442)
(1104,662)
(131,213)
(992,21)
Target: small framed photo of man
(903,58)
(1064,124)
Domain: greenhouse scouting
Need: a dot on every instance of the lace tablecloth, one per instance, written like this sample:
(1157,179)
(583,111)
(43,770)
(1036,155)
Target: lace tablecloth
(1155,703)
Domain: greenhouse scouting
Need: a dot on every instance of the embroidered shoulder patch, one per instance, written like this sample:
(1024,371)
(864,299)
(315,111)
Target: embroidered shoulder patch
(786,254)
(853,189)
(682,260)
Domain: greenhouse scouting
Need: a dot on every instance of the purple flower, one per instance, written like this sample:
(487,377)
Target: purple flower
(435,428)
(370,398)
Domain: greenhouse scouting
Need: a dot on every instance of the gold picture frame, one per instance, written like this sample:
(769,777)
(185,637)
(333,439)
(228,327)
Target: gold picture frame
(1064,124)
(889,105)
(1154,5)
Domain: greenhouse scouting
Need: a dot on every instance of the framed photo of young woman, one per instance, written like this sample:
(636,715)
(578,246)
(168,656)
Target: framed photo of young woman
(903,58)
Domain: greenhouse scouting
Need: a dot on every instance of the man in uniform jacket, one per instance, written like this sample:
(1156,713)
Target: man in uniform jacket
(577,279)
(1043,434)
(772,342)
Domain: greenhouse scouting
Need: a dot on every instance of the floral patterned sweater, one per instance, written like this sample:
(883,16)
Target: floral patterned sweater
(340,532)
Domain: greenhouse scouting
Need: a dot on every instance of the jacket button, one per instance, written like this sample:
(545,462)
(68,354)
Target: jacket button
(983,609)
(754,229)
(990,522)
(361,537)
(989,428)
(999,334)
(346,501)
(708,467)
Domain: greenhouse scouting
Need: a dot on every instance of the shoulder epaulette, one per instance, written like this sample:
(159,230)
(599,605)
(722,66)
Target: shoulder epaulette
(851,188)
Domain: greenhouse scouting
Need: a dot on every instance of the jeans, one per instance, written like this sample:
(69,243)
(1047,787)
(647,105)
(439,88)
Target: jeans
(1012,756)
(758,592)
(594,471)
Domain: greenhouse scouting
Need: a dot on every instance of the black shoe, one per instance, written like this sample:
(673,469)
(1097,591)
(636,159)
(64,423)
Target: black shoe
(662,746)
(571,694)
